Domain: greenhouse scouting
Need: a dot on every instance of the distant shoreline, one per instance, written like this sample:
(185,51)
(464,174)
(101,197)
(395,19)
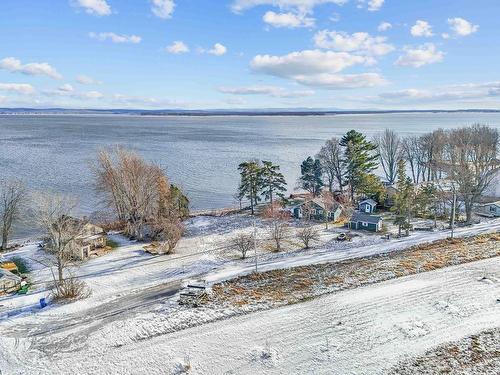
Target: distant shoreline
(214,113)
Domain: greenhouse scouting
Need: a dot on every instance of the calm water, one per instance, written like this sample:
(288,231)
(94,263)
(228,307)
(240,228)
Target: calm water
(201,154)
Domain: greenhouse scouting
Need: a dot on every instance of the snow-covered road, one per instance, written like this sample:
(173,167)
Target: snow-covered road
(359,331)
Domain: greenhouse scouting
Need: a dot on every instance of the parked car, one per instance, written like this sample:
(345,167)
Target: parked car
(343,237)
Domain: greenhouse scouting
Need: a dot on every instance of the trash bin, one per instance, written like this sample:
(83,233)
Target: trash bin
(43,303)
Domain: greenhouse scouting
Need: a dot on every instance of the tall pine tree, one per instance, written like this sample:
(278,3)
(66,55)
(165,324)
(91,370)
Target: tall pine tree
(359,158)
(272,181)
(311,176)
(251,182)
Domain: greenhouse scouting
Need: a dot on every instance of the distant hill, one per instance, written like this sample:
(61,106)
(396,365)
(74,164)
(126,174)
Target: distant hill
(221,112)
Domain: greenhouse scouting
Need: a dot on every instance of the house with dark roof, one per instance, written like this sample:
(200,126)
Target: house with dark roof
(364,221)
(316,208)
(368,206)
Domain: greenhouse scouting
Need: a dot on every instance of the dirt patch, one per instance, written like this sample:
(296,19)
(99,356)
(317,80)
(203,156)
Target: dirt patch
(296,284)
(477,354)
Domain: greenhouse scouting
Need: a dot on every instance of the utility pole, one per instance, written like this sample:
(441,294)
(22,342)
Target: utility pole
(453,212)
(255,244)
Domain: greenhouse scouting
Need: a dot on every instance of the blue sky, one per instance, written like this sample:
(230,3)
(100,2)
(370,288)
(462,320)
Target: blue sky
(348,54)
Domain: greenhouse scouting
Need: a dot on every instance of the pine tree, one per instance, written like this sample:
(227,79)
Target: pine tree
(359,158)
(251,182)
(311,176)
(272,181)
(404,199)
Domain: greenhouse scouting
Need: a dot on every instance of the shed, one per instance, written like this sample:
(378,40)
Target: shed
(368,205)
(363,221)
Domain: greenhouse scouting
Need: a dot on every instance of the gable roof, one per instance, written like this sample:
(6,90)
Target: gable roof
(370,201)
(497,203)
(363,217)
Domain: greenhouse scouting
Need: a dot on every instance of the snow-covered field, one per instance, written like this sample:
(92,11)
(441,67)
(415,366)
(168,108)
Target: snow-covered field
(361,331)
(132,290)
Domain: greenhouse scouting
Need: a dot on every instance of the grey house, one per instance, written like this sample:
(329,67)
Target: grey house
(316,208)
(491,209)
(364,221)
(368,206)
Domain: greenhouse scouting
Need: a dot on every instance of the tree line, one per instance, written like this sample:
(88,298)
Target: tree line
(423,168)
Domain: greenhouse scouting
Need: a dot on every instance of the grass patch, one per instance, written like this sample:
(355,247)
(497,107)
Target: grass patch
(112,244)
(21,264)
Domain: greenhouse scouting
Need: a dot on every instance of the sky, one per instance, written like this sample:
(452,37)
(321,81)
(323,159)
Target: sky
(210,54)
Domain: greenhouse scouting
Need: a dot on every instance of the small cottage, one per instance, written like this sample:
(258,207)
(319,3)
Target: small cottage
(316,208)
(364,221)
(491,209)
(90,238)
(368,206)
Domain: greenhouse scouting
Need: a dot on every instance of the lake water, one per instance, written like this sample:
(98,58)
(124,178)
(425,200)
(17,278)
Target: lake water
(201,154)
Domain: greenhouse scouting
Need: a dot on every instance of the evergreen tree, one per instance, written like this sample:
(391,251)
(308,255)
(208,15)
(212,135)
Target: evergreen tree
(404,199)
(359,158)
(371,187)
(272,181)
(251,182)
(311,173)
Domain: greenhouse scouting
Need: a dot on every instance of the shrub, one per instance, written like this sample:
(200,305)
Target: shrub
(112,244)
(21,264)
(69,289)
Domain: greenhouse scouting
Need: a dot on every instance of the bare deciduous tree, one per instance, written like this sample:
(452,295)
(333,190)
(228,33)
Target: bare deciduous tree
(52,213)
(141,195)
(330,157)
(243,243)
(12,195)
(278,224)
(471,162)
(389,149)
(307,234)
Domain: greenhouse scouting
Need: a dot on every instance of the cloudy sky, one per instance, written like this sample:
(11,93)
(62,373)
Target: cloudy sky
(347,54)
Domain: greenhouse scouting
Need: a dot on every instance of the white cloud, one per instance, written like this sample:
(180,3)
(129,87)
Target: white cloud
(342,81)
(163,8)
(420,56)
(371,5)
(445,36)
(96,7)
(384,26)
(422,28)
(66,88)
(288,20)
(178,47)
(302,6)
(462,27)
(217,50)
(116,38)
(317,68)
(274,91)
(456,93)
(14,65)
(19,88)
(358,42)
(86,80)
(92,95)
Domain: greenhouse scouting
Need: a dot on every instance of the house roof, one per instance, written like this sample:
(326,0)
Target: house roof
(370,201)
(7,275)
(497,203)
(317,201)
(361,216)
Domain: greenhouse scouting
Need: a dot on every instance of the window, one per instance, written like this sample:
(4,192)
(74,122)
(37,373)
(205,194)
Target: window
(365,224)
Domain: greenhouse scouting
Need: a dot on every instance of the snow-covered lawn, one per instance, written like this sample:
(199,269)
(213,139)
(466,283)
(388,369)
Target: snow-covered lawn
(203,254)
(361,331)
